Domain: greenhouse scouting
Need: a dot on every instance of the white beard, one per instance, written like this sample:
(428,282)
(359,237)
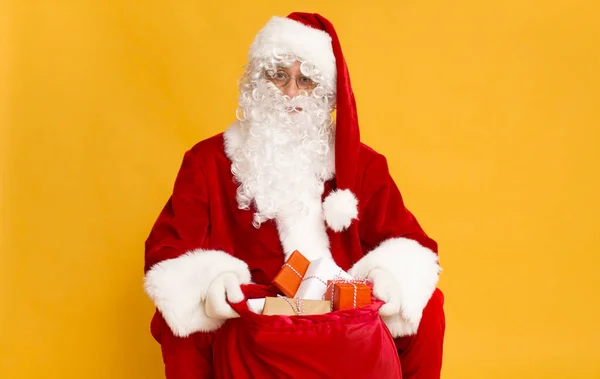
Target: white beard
(285,157)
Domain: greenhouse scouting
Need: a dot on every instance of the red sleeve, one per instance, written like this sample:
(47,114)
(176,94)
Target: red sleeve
(395,243)
(179,266)
(382,212)
(181,227)
(184,220)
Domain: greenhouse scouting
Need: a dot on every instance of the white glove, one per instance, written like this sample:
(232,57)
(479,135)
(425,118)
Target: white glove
(225,287)
(387,289)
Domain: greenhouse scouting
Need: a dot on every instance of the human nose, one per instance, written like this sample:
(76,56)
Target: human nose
(291,89)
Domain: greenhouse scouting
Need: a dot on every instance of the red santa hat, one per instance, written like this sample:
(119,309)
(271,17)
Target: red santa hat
(311,37)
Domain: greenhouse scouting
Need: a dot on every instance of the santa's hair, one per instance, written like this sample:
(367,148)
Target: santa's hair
(264,111)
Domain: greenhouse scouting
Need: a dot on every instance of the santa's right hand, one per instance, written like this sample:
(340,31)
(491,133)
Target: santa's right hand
(223,288)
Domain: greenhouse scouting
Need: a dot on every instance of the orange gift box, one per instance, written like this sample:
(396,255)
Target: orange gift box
(290,276)
(348,295)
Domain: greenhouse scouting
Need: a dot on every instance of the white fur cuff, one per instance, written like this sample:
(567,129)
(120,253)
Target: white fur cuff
(416,271)
(179,286)
(339,209)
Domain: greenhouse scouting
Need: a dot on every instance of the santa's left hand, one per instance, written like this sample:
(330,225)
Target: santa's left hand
(387,289)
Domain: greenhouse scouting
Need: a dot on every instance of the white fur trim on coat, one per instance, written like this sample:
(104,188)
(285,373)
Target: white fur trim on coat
(340,207)
(304,231)
(282,35)
(416,272)
(179,286)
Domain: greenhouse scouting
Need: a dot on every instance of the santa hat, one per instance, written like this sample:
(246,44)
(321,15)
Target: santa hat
(312,37)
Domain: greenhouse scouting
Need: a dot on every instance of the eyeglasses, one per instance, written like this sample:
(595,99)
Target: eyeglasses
(282,78)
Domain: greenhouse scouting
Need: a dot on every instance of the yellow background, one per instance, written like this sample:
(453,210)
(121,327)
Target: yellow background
(487,111)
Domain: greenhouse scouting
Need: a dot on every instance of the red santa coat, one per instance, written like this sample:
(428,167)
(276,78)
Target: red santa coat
(201,233)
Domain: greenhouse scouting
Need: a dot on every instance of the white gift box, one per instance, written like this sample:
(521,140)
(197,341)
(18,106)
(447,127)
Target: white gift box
(314,283)
(256,305)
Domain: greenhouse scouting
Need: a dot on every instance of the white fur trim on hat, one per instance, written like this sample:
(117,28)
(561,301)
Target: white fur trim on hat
(179,287)
(286,36)
(340,207)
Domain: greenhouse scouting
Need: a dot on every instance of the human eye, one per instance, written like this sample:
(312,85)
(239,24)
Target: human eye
(306,81)
(280,75)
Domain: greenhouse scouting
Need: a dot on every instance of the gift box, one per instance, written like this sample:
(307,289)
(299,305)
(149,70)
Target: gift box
(285,306)
(348,294)
(314,283)
(290,276)
(256,305)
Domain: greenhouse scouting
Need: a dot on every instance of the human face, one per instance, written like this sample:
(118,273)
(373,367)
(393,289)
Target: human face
(291,81)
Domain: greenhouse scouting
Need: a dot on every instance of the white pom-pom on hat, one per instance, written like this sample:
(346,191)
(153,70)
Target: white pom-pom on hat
(340,207)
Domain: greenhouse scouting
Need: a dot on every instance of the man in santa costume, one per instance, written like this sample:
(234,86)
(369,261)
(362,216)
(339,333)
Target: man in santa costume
(285,177)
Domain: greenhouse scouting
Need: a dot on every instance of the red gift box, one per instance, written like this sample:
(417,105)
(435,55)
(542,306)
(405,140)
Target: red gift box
(348,294)
(290,276)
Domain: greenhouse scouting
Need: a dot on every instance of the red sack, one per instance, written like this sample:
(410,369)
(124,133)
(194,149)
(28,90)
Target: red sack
(351,343)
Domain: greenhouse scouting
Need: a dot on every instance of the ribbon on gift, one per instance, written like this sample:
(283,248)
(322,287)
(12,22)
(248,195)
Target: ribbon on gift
(292,268)
(299,310)
(337,278)
(353,282)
